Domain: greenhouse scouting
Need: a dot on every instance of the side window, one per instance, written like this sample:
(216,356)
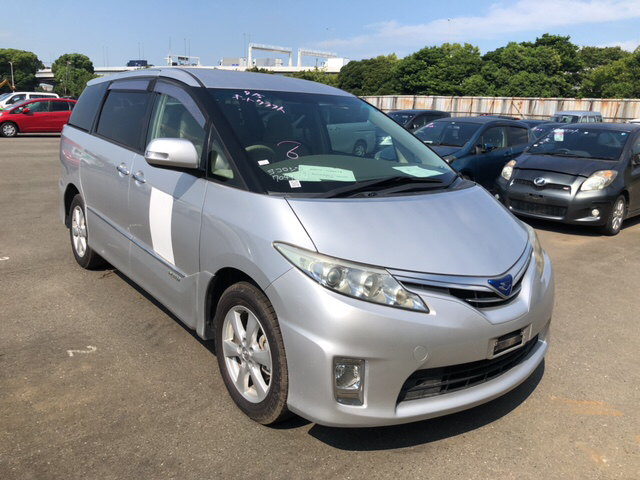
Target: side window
(59,106)
(122,117)
(172,119)
(16,99)
(518,136)
(636,153)
(219,165)
(494,136)
(38,107)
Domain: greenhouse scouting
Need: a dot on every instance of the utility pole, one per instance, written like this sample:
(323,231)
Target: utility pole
(12,82)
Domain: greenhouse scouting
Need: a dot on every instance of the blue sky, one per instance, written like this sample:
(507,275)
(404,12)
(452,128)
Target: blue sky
(114,32)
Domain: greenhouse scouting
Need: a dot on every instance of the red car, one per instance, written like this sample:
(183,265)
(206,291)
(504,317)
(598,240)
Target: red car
(41,115)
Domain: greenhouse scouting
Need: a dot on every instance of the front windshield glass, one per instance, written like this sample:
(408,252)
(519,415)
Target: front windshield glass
(540,130)
(3,96)
(301,143)
(448,132)
(581,142)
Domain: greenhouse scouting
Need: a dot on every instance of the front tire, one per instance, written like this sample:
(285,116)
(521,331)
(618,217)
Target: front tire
(251,353)
(616,217)
(79,236)
(9,129)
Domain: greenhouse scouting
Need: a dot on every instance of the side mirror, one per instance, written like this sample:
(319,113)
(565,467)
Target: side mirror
(172,152)
(635,160)
(26,110)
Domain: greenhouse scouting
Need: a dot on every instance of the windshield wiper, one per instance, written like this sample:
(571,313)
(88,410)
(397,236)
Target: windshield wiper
(377,184)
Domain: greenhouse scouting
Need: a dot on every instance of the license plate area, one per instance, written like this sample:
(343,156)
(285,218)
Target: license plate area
(508,342)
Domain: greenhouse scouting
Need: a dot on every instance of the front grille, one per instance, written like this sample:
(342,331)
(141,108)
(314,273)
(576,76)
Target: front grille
(439,381)
(475,297)
(546,186)
(539,209)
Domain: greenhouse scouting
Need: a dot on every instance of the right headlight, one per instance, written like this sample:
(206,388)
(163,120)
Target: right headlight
(507,170)
(354,280)
(537,250)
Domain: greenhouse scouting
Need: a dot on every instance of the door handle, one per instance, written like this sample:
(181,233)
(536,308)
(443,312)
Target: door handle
(122,168)
(139,177)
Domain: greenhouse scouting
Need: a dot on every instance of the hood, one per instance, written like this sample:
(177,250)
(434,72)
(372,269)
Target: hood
(458,232)
(444,150)
(570,166)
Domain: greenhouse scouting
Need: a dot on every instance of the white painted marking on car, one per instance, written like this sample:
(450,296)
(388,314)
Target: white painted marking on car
(90,349)
(3,259)
(160,212)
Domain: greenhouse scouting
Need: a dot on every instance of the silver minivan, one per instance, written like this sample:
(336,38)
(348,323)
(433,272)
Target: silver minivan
(350,290)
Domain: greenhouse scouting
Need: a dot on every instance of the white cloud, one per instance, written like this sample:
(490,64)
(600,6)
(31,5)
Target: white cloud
(628,45)
(501,18)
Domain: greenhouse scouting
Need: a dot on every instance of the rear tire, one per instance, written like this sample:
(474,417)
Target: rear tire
(360,148)
(616,217)
(251,353)
(79,236)
(9,129)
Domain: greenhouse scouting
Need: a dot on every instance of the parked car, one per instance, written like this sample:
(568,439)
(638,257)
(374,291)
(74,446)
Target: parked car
(13,98)
(222,195)
(576,116)
(478,147)
(414,119)
(578,174)
(36,116)
(349,129)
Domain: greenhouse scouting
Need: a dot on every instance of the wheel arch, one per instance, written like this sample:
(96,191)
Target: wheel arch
(70,192)
(223,279)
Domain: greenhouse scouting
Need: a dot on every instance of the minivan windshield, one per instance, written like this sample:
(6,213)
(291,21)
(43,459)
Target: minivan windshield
(565,119)
(304,143)
(447,132)
(581,142)
(4,95)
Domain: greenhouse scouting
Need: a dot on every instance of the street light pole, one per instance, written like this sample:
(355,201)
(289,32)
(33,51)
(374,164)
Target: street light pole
(13,85)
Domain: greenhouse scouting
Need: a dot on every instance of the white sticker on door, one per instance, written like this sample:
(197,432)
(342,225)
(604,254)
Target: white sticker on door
(160,211)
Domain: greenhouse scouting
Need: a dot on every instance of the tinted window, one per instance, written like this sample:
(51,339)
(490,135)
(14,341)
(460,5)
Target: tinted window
(37,107)
(16,99)
(581,142)
(518,136)
(495,137)
(59,106)
(122,117)
(452,133)
(87,107)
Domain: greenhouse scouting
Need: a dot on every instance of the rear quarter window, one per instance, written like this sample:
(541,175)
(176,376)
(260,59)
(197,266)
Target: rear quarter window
(85,110)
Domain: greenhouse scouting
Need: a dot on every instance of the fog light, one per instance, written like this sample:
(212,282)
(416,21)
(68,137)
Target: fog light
(595,212)
(349,381)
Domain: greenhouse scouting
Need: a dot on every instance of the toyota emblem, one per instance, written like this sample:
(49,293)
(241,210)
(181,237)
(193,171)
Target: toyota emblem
(539,181)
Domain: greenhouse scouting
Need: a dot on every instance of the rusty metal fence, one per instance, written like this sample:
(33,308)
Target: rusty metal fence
(612,110)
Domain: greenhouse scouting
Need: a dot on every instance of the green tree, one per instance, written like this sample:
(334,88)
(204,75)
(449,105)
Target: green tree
(594,57)
(72,71)
(619,79)
(25,66)
(317,75)
(374,76)
(439,70)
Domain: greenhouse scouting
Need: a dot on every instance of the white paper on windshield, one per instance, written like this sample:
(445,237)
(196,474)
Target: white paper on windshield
(312,173)
(416,171)
(558,135)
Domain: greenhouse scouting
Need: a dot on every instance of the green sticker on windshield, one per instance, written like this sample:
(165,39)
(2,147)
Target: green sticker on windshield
(416,171)
(312,173)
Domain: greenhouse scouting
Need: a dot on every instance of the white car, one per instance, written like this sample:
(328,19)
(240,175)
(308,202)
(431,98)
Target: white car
(12,98)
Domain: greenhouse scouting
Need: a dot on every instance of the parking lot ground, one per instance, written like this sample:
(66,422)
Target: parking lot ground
(99,381)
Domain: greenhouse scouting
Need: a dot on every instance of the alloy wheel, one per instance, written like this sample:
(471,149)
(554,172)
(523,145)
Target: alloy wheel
(79,231)
(618,214)
(247,354)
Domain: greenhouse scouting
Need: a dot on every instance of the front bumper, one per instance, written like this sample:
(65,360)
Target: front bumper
(559,200)
(318,325)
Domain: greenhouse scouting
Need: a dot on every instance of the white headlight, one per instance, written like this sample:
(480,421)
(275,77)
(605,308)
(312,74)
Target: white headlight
(507,170)
(537,250)
(359,281)
(599,180)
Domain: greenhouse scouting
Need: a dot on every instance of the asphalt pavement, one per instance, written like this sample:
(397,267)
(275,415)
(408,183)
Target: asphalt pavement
(97,380)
